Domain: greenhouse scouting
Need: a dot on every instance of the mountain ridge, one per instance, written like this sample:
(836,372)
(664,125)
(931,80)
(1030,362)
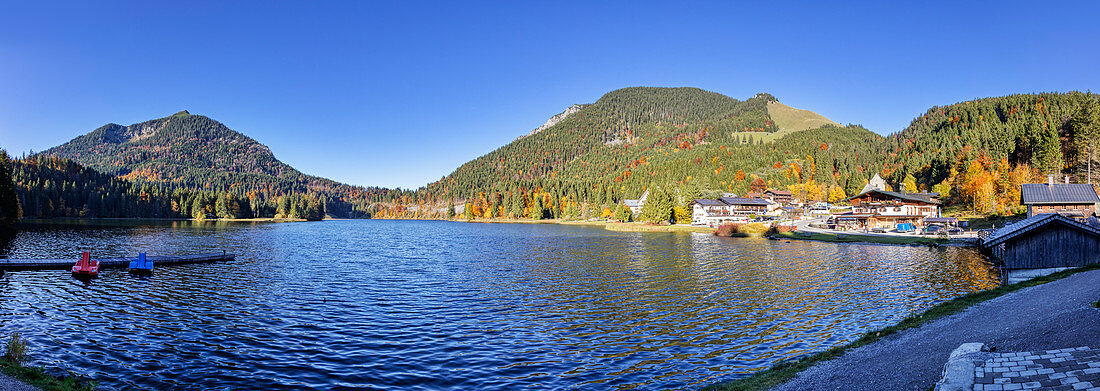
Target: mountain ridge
(594,155)
(198,153)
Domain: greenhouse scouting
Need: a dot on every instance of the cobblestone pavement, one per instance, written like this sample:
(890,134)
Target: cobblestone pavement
(1062,369)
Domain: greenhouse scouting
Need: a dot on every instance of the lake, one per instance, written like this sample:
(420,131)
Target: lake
(368,304)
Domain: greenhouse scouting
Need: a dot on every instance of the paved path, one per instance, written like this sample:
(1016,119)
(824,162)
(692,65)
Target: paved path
(8,383)
(1059,369)
(1049,316)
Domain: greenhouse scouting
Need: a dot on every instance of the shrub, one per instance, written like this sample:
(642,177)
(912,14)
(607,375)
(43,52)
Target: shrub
(728,229)
(753,229)
(781,229)
(741,229)
(16,349)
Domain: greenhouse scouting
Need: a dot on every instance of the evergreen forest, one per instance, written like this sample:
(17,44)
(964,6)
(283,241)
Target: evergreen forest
(677,143)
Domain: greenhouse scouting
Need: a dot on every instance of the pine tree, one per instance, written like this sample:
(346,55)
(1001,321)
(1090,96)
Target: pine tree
(1086,134)
(198,212)
(10,209)
(623,213)
(658,207)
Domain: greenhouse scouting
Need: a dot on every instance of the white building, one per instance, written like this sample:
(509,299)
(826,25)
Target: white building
(636,205)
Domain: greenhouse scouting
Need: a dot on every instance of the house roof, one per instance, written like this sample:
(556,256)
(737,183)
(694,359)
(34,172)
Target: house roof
(1057,193)
(778,192)
(919,197)
(1034,223)
(753,195)
(708,202)
(745,201)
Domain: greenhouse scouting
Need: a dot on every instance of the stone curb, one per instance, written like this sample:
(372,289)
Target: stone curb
(958,373)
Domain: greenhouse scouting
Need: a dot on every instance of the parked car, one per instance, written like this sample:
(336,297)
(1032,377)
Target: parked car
(931,229)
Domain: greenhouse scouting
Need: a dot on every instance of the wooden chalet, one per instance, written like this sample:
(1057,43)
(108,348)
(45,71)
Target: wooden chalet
(1047,240)
(1076,200)
(884,209)
(780,196)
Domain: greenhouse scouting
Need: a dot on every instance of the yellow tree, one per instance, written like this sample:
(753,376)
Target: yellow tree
(814,191)
(910,183)
(836,194)
(978,188)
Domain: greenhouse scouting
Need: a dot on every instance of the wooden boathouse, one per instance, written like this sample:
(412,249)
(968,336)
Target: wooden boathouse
(1047,240)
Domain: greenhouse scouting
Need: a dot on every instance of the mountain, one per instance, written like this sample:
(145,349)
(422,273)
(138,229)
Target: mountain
(182,148)
(198,153)
(974,153)
(633,138)
(791,120)
(682,142)
(557,118)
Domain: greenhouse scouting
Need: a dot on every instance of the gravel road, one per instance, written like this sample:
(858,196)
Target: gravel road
(1049,316)
(8,383)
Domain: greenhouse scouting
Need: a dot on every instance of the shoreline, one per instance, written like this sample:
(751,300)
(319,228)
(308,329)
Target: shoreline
(786,371)
(866,239)
(69,220)
(22,377)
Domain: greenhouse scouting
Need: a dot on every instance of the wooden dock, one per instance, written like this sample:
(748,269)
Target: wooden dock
(66,264)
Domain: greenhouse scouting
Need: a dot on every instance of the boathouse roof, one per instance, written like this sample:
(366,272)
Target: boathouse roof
(1034,223)
(1057,193)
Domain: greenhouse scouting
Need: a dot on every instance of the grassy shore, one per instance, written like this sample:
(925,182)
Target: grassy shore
(853,238)
(979,221)
(37,376)
(638,227)
(782,372)
(608,225)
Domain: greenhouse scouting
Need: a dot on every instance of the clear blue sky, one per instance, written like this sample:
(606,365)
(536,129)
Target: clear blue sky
(401,93)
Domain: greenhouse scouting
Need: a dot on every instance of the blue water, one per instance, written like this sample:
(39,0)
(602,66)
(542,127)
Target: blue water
(441,305)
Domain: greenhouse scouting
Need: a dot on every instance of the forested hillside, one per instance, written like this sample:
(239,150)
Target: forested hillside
(630,139)
(978,152)
(686,142)
(197,154)
(679,143)
(49,186)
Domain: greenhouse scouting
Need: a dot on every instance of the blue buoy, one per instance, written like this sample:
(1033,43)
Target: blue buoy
(141,265)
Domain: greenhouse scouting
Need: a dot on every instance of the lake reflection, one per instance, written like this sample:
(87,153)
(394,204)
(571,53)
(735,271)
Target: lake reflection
(438,305)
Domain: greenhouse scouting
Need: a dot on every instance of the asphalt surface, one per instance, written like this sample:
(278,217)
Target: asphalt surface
(1050,316)
(8,383)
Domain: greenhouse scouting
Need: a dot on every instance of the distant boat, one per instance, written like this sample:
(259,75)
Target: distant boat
(86,267)
(141,265)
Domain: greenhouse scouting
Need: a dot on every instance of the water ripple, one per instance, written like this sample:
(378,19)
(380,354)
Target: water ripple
(437,305)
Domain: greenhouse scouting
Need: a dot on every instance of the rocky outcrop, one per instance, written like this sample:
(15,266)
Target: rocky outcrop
(558,118)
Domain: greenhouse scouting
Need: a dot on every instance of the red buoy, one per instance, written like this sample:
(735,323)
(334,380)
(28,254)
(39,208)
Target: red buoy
(86,266)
